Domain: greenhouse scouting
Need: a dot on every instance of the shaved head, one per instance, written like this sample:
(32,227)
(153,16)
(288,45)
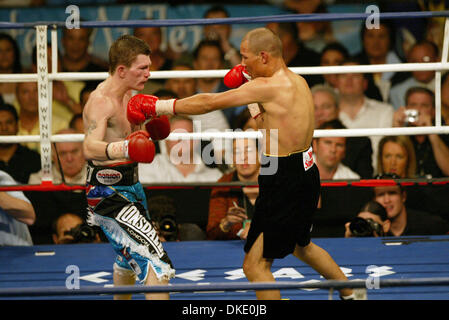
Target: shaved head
(263,39)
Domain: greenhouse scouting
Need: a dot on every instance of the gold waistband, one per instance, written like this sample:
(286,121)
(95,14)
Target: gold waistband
(285,155)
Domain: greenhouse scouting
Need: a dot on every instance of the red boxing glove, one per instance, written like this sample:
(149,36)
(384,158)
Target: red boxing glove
(236,77)
(141,107)
(140,148)
(158,128)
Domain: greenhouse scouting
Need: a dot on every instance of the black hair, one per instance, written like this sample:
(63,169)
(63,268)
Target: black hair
(17,66)
(208,43)
(10,109)
(165,93)
(336,46)
(216,8)
(332,124)
(376,208)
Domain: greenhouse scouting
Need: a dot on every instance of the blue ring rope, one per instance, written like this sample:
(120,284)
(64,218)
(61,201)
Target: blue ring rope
(93,290)
(239,20)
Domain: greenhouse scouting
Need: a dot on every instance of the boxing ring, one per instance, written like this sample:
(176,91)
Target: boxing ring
(401,268)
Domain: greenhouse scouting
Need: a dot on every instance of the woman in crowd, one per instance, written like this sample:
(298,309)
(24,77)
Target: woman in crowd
(396,156)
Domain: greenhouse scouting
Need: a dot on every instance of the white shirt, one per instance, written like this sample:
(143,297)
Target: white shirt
(12,231)
(162,170)
(80,178)
(372,114)
(345,173)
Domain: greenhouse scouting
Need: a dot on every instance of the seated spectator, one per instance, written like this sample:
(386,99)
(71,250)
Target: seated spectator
(294,52)
(329,153)
(9,63)
(71,228)
(421,52)
(86,91)
(231,209)
(76,57)
(163,214)
(69,164)
(445,97)
(358,156)
(16,214)
(182,87)
(359,111)
(179,161)
(76,123)
(15,159)
(221,33)
(332,54)
(244,121)
(397,156)
(208,55)
(378,48)
(66,94)
(371,221)
(405,221)
(27,105)
(432,151)
(314,34)
(159,59)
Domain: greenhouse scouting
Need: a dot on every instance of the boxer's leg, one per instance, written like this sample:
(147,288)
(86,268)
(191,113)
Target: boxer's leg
(320,260)
(258,269)
(153,280)
(123,277)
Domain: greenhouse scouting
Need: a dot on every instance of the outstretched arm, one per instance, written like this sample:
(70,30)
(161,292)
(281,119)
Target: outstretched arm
(255,91)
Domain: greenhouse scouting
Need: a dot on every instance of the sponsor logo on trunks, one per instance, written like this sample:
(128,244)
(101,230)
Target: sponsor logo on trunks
(131,217)
(307,159)
(135,266)
(108,176)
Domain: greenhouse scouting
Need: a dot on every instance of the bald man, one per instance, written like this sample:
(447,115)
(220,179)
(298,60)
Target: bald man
(282,104)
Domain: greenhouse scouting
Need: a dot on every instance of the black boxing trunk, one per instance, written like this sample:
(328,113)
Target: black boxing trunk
(287,201)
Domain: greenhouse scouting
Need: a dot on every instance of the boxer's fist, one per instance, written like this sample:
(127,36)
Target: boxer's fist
(141,107)
(140,148)
(236,77)
(158,128)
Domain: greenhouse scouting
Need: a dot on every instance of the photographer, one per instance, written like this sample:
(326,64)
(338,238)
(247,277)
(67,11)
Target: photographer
(432,151)
(406,221)
(372,221)
(70,228)
(162,211)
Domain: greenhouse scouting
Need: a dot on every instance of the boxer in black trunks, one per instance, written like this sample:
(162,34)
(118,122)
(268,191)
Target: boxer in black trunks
(282,104)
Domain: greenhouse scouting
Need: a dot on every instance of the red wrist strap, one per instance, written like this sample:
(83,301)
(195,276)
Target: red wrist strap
(174,103)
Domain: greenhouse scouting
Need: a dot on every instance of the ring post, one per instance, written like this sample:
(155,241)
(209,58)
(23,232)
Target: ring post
(45,99)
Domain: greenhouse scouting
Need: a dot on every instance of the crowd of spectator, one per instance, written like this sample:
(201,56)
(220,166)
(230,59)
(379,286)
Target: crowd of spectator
(347,100)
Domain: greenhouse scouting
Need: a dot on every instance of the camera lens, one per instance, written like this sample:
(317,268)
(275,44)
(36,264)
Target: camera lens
(361,228)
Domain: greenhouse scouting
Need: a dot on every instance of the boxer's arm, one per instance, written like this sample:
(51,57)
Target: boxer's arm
(256,91)
(97,117)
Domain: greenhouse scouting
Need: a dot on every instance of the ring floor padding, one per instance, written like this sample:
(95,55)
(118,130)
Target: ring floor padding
(209,262)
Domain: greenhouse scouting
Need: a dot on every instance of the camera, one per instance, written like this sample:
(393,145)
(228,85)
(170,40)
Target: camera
(411,116)
(365,227)
(162,211)
(82,233)
(167,225)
